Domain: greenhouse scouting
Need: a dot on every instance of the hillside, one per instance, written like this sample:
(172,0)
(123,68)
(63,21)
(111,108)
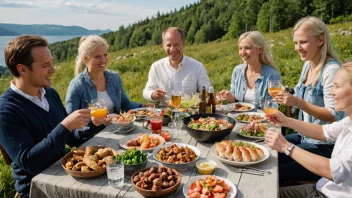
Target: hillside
(7,29)
(218,57)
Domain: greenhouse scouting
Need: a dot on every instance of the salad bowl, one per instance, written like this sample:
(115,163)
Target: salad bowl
(208,135)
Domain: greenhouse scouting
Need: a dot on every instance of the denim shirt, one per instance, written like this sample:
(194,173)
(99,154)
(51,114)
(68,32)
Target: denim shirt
(239,83)
(316,97)
(82,90)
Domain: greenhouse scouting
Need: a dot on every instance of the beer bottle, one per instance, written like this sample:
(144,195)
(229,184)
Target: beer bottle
(202,103)
(210,106)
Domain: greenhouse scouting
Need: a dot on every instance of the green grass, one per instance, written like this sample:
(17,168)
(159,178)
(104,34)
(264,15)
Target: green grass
(219,58)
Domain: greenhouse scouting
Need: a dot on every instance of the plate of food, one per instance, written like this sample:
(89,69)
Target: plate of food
(88,162)
(177,155)
(254,130)
(142,113)
(205,186)
(143,142)
(241,106)
(239,153)
(249,117)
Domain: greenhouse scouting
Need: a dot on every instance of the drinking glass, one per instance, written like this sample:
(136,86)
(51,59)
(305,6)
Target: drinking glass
(274,87)
(98,108)
(115,174)
(176,98)
(270,107)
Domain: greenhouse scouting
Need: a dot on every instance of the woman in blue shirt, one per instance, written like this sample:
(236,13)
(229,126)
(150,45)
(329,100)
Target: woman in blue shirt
(312,93)
(249,81)
(96,82)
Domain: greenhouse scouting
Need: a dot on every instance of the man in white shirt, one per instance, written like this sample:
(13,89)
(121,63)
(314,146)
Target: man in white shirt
(174,71)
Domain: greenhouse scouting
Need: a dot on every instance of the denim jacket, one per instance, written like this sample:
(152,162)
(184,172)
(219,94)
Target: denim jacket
(239,83)
(316,97)
(82,90)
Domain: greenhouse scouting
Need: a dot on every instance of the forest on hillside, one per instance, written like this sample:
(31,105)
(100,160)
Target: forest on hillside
(210,20)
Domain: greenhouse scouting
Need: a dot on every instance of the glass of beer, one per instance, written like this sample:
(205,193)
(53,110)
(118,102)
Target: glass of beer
(176,98)
(274,87)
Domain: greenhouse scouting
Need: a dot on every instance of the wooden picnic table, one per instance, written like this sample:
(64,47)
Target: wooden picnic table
(55,182)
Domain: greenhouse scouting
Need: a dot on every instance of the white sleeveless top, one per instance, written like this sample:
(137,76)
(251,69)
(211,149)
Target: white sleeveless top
(249,96)
(107,99)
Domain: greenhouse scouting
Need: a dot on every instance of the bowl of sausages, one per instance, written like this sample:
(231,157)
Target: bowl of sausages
(156,181)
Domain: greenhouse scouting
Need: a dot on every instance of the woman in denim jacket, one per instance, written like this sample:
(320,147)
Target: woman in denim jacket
(312,94)
(96,82)
(249,81)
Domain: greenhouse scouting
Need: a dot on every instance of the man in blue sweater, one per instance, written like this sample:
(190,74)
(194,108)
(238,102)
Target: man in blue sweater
(34,125)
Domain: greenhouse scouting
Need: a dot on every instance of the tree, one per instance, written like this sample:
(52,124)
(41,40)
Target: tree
(200,37)
(263,22)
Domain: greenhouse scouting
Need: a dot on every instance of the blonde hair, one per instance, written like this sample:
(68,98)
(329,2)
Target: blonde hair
(313,26)
(257,40)
(347,66)
(87,45)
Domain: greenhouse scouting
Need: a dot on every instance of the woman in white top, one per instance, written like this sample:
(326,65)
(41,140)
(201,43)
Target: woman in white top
(336,171)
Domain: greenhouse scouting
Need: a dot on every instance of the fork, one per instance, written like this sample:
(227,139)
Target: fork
(249,170)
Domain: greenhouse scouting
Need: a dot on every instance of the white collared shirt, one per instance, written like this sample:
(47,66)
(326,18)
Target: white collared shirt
(191,76)
(43,103)
(341,160)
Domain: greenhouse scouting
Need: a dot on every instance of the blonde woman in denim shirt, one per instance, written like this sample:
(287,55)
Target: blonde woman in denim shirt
(312,94)
(249,81)
(96,82)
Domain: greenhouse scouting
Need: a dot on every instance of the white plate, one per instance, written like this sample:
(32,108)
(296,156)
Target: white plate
(249,113)
(124,140)
(124,130)
(178,166)
(231,194)
(250,137)
(231,106)
(140,117)
(234,163)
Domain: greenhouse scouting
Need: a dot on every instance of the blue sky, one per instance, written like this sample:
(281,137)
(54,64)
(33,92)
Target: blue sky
(91,14)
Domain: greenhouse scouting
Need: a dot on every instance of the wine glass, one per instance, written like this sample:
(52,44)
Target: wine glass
(270,108)
(274,87)
(93,106)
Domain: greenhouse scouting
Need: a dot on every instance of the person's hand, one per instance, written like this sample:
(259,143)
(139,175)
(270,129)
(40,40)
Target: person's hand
(277,118)
(227,95)
(276,141)
(158,94)
(148,104)
(76,119)
(98,121)
(286,99)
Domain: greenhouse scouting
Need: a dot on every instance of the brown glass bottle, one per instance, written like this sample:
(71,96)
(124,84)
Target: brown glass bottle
(202,104)
(210,105)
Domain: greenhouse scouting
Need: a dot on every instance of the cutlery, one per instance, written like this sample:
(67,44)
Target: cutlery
(249,170)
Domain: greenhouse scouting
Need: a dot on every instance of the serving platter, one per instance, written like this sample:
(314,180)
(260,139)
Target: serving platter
(234,163)
(123,141)
(262,115)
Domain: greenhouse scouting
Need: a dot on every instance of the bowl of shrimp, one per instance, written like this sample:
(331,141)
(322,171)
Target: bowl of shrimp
(122,120)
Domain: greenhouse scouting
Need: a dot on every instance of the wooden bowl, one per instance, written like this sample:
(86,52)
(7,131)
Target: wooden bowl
(81,174)
(158,193)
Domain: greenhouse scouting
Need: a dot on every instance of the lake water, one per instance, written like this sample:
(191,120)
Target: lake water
(5,39)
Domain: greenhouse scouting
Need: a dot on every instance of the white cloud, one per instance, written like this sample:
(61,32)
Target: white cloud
(18,4)
(85,8)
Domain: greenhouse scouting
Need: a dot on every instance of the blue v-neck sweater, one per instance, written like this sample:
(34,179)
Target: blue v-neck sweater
(33,137)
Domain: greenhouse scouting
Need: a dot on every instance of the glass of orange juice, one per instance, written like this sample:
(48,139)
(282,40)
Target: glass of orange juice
(270,106)
(274,87)
(98,108)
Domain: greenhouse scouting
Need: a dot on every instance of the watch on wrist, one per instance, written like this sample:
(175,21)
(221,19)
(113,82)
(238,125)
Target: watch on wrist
(289,149)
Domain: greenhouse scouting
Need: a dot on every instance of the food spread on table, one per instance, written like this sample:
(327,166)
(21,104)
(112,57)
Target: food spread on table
(238,151)
(176,154)
(90,159)
(144,141)
(144,112)
(254,129)
(156,178)
(209,124)
(245,117)
(210,187)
